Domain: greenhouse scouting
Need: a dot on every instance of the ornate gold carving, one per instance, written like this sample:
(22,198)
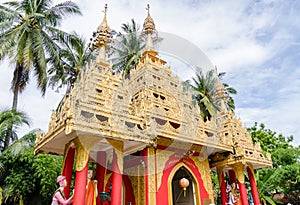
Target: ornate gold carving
(83,146)
(239,169)
(151,170)
(82,155)
(106,178)
(149,25)
(204,169)
(162,157)
(118,148)
(137,177)
(103,33)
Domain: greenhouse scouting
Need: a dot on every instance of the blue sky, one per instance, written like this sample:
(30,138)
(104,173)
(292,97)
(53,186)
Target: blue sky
(257,44)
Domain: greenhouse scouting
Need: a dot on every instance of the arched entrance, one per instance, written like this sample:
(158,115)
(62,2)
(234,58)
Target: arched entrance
(179,196)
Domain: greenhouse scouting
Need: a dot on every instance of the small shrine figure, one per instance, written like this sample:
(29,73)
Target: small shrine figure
(92,191)
(233,196)
(58,197)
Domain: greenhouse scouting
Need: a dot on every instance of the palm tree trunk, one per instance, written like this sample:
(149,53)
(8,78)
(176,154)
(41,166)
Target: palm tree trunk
(16,85)
(15,99)
(15,88)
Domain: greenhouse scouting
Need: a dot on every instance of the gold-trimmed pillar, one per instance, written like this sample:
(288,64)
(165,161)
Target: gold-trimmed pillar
(83,146)
(239,169)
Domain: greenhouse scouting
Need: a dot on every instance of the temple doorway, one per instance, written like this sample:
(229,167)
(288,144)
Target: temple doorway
(179,195)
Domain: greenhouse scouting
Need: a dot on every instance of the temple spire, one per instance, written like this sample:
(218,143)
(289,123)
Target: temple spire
(101,38)
(149,30)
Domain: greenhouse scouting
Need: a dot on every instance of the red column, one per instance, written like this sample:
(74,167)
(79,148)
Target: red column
(68,168)
(232,176)
(243,194)
(254,190)
(100,173)
(145,158)
(223,189)
(116,192)
(80,186)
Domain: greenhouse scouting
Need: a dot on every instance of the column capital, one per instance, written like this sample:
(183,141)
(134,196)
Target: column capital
(220,173)
(118,145)
(239,169)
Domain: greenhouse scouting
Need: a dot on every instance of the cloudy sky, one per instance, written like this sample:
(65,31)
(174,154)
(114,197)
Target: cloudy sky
(256,42)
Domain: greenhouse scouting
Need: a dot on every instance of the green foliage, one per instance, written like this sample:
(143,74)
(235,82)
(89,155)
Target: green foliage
(268,139)
(127,48)
(10,121)
(203,87)
(46,169)
(26,177)
(230,90)
(216,185)
(74,54)
(285,156)
(284,176)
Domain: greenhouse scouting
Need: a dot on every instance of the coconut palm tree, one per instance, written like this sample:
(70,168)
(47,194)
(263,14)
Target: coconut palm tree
(203,88)
(127,48)
(10,120)
(26,29)
(231,91)
(74,54)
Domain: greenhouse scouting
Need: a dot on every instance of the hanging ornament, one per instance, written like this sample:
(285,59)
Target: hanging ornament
(184,183)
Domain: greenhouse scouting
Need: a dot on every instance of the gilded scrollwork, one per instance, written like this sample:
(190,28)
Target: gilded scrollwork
(162,157)
(204,169)
(82,155)
(118,149)
(239,169)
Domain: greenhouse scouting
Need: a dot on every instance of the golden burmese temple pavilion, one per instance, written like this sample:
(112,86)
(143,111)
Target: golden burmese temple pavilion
(146,138)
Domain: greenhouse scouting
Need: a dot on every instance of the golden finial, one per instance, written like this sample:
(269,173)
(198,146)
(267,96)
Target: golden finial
(105,9)
(103,33)
(149,30)
(101,38)
(148,9)
(149,26)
